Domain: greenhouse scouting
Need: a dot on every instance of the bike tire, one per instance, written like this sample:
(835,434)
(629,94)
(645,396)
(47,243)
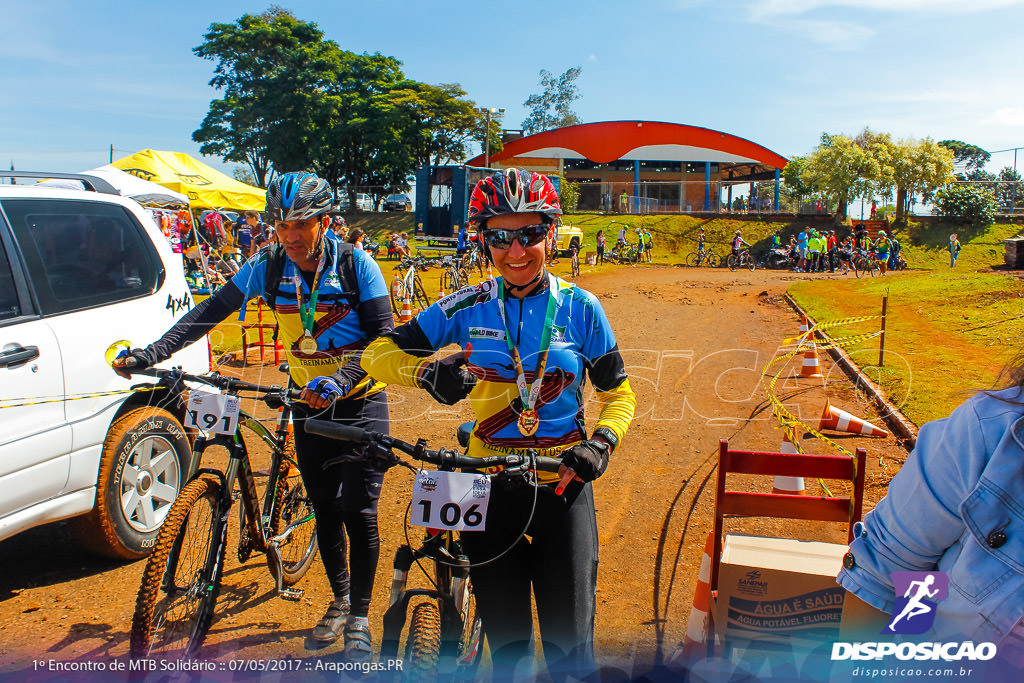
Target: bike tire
(397,294)
(187,549)
(693,259)
(713,260)
(732,261)
(748,261)
(423,646)
(292,505)
(858,267)
(420,294)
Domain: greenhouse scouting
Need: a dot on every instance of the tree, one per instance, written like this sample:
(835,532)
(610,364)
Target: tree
(919,167)
(968,204)
(1008,193)
(268,66)
(835,168)
(243,175)
(441,122)
(968,159)
(552,108)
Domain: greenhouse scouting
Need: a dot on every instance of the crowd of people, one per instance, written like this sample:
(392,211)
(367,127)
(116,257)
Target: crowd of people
(814,251)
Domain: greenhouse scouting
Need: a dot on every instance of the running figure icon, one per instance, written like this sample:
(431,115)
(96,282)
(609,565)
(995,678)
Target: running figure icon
(915,606)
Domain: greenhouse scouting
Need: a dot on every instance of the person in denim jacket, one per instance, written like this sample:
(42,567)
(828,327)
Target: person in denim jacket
(956,506)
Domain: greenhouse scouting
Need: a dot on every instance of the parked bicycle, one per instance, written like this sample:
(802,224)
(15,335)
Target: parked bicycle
(473,259)
(741,260)
(445,634)
(625,252)
(704,257)
(574,256)
(408,285)
(178,594)
(454,276)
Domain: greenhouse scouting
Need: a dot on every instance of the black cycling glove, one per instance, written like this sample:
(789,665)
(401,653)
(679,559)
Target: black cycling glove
(588,459)
(447,380)
(132,361)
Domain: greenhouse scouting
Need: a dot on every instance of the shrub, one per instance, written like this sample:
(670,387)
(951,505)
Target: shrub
(971,205)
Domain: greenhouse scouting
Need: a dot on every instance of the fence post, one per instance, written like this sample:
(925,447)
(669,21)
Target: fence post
(881,343)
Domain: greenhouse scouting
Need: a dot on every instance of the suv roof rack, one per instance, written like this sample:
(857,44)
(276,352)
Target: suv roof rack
(91,182)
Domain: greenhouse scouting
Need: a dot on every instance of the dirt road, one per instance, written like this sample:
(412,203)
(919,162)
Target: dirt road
(695,342)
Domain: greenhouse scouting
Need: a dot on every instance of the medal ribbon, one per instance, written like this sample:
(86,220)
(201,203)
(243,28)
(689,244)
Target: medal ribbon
(307,314)
(529,398)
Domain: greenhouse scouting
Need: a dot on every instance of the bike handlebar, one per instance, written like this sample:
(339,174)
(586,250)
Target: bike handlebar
(444,457)
(215,379)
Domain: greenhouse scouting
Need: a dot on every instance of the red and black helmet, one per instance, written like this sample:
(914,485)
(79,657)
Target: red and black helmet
(514,191)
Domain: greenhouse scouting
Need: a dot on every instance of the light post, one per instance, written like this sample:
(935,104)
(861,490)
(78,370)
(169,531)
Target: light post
(487,131)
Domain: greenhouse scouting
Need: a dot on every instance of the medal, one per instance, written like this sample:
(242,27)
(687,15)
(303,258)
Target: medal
(529,394)
(307,344)
(529,422)
(307,314)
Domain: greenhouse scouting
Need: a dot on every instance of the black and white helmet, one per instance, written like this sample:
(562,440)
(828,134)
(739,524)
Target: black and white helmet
(297,196)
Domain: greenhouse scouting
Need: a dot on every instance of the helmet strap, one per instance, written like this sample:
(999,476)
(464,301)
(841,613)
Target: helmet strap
(535,285)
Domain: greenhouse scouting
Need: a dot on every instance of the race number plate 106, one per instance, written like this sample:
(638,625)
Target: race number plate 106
(217,413)
(454,501)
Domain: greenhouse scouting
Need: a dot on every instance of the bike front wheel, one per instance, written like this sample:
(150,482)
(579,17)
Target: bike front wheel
(420,294)
(713,260)
(748,261)
(176,599)
(423,646)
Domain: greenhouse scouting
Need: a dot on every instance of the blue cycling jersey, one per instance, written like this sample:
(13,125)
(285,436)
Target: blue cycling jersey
(336,327)
(581,335)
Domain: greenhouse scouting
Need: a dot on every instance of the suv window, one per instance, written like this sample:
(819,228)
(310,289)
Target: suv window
(8,297)
(82,254)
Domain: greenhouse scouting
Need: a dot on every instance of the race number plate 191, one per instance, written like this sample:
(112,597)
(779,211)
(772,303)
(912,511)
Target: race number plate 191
(217,413)
(454,501)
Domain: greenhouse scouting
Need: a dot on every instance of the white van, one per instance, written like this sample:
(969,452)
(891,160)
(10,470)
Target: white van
(80,270)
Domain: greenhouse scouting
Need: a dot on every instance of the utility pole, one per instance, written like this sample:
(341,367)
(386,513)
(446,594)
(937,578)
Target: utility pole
(487,131)
(111,152)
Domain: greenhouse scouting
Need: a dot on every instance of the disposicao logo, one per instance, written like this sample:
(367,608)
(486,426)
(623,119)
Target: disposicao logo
(917,596)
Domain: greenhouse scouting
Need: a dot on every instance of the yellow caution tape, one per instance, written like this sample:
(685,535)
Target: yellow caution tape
(828,326)
(39,400)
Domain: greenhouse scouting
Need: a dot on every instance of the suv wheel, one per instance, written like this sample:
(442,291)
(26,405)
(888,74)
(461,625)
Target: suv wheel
(143,466)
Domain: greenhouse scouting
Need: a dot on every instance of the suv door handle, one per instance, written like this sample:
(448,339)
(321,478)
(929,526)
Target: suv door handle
(18,355)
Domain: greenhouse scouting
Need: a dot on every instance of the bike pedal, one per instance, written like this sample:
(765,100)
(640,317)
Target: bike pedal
(290,594)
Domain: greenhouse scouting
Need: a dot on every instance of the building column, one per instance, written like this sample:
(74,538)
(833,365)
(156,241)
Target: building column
(636,180)
(777,174)
(729,201)
(707,185)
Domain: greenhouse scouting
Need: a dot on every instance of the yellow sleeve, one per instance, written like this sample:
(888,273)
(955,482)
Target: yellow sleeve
(384,361)
(617,408)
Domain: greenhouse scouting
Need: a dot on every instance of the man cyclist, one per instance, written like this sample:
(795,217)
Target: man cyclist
(882,252)
(738,243)
(648,242)
(701,238)
(329,300)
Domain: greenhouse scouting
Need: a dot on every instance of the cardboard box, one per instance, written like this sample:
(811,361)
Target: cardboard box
(779,589)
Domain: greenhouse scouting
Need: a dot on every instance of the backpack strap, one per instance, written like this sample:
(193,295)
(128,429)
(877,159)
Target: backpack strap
(346,271)
(275,269)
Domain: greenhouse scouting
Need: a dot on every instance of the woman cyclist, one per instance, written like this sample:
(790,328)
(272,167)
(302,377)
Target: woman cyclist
(528,339)
(312,282)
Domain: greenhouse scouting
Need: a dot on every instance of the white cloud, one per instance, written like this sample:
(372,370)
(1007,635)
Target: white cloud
(1006,116)
(591,57)
(791,7)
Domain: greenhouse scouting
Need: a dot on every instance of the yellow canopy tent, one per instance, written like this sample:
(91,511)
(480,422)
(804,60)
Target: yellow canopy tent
(205,187)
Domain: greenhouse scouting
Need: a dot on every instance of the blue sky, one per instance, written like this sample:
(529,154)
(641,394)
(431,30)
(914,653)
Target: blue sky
(78,77)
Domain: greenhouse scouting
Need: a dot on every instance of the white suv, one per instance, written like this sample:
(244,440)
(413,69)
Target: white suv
(80,270)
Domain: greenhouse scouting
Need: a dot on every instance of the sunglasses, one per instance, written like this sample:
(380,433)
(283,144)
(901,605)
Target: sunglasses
(526,236)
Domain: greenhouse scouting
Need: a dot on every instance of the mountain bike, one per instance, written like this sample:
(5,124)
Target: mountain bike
(408,285)
(741,260)
(626,252)
(864,264)
(701,257)
(445,634)
(178,594)
(454,276)
(473,258)
(575,260)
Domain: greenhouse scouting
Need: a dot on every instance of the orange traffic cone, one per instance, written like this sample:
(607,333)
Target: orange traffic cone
(841,421)
(804,324)
(794,486)
(406,314)
(810,367)
(490,274)
(694,645)
(440,291)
